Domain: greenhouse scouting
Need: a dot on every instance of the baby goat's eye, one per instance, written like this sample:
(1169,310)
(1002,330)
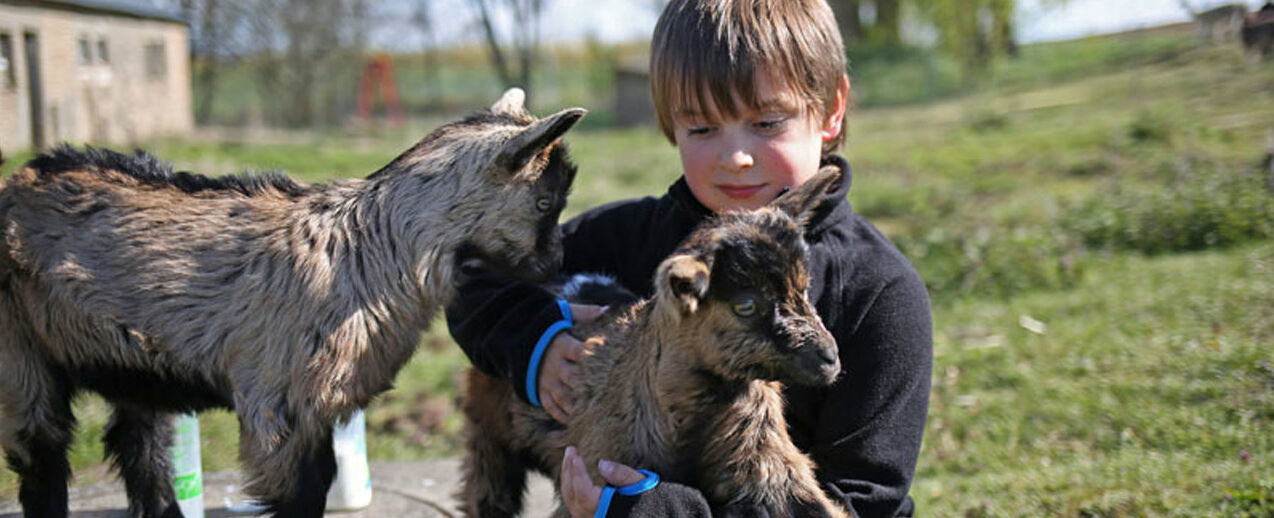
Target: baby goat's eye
(543,204)
(744,307)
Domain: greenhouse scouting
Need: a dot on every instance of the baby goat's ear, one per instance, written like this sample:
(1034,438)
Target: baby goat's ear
(801,201)
(534,138)
(683,283)
(512,103)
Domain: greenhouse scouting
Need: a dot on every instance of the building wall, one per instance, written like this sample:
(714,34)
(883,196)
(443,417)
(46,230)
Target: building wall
(117,100)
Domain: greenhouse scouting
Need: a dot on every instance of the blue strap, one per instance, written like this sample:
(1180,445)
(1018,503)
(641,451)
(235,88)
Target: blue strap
(641,486)
(537,354)
(634,489)
(603,504)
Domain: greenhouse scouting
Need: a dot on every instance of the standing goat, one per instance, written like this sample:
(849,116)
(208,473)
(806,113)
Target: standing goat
(686,383)
(294,305)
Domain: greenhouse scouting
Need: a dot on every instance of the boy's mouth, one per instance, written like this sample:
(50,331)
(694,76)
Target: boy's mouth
(740,192)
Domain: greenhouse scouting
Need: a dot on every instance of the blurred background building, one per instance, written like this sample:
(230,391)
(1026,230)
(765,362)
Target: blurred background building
(120,72)
(105,71)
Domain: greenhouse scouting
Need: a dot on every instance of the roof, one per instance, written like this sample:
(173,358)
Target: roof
(132,8)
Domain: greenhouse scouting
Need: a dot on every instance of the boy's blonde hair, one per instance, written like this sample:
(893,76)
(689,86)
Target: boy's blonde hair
(706,51)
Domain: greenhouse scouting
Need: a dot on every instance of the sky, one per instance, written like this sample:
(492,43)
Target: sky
(626,20)
(1087,17)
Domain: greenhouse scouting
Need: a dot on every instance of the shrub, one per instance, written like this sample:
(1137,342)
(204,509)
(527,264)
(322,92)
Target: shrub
(986,262)
(1211,209)
(1150,127)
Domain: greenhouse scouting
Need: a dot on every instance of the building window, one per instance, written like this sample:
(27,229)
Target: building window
(8,78)
(86,52)
(103,52)
(156,61)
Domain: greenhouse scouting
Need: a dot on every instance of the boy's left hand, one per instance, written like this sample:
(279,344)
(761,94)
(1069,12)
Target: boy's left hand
(578,492)
(556,380)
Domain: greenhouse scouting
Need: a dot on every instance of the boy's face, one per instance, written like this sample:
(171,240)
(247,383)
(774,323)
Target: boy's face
(744,162)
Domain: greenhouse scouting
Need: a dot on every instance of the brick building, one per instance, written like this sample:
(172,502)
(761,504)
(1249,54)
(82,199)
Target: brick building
(93,71)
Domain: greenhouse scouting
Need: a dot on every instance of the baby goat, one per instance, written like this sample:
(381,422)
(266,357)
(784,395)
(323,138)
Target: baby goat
(687,383)
(294,305)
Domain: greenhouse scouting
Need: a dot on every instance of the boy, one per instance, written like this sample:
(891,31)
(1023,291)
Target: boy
(752,93)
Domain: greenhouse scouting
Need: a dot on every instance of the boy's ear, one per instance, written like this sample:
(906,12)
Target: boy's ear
(834,123)
(799,203)
(683,283)
(534,138)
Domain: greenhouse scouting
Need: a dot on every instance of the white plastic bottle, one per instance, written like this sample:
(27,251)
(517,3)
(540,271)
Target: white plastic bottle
(352,488)
(187,466)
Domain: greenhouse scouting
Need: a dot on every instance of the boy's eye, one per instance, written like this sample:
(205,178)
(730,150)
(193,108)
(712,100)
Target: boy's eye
(698,130)
(770,124)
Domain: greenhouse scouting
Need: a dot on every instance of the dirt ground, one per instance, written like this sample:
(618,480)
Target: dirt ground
(399,489)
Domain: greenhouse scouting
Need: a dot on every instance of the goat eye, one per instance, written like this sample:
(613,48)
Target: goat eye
(744,307)
(544,204)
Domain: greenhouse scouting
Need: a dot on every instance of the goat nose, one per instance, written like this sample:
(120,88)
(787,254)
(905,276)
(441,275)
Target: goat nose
(828,354)
(535,270)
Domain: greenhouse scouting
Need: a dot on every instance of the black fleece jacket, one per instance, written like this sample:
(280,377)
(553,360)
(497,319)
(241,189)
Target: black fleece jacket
(863,432)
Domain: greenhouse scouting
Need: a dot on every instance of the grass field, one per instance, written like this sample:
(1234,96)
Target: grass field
(1099,247)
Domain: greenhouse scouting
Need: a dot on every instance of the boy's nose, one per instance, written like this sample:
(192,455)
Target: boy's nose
(736,161)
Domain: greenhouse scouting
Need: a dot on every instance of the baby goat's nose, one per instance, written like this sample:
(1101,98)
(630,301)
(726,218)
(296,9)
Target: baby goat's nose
(828,354)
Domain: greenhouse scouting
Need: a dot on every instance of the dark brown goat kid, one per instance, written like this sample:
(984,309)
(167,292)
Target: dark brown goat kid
(294,305)
(687,383)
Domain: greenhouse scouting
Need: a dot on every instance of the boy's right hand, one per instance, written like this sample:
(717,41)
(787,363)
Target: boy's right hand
(561,360)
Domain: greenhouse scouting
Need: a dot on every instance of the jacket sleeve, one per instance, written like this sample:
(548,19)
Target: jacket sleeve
(668,499)
(870,426)
(677,501)
(499,321)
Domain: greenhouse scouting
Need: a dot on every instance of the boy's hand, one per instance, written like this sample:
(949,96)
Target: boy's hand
(578,492)
(557,370)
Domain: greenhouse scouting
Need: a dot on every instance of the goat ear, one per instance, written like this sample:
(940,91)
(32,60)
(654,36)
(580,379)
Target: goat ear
(534,138)
(799,203)
(683,282)
(513,102)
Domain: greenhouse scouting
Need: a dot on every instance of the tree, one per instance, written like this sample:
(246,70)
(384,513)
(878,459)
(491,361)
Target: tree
(974,31)
(297,49)
(888,27)
(523,38)
(216,41)
(306,46)
(847,16)
(423,20)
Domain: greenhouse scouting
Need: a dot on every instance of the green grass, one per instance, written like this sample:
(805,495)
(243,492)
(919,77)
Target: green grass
(1151,379)
(1149,391)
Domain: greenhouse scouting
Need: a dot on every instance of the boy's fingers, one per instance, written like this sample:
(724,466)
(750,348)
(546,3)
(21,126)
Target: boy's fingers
(569,347)
(557,376)
(564,407)
(586,312)
(568,487)
(617,474)
(556,413)
(578,492)
(552,398)
(566,374)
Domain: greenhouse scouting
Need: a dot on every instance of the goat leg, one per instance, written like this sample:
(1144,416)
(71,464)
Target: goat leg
(137,441)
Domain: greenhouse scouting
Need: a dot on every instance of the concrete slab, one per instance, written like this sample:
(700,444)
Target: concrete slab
(421,489)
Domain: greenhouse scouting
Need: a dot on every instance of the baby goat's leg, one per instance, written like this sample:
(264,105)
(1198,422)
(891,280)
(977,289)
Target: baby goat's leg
(494,474)
(137,442)
(494,479)
(35,429)
(314,474)
(293,478)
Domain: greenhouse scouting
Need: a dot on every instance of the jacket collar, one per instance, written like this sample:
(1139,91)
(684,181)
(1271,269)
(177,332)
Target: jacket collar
(834,209)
